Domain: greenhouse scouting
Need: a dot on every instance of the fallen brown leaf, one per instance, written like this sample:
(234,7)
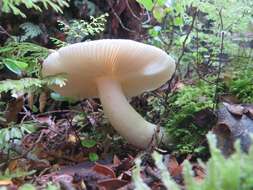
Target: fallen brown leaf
(174,167)
(105,170)
(112,184)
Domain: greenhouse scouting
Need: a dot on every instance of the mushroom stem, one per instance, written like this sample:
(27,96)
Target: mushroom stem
(126,121)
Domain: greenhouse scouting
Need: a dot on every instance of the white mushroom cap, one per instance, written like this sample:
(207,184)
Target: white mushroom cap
(136,66)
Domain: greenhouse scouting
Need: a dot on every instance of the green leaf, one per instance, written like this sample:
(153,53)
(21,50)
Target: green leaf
(29,127)
(178,21)
(30,31)
(27,187)
(136,177)
(15,66)
(57,97)
(154,32)
(161,2)
(12,6)
(148,4)
(159,13)
(93,156)
(88,143)
(182,39)
(51,186)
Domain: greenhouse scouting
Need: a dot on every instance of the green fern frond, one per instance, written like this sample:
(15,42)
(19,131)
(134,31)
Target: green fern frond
(30,84)
(77,30)
(233,173)
(31,31)
(12,6)
(13,53)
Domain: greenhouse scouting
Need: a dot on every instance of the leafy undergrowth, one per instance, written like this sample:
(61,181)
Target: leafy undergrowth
(52,142)
(148,171)
(219,172)
(191,116)
(241,84)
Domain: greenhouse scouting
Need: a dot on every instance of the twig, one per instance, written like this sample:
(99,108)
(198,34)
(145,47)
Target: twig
(3,31)
(201,77)
(164,25)
(57,111)
(132,12)
(216,97)
(74,129)
(118,18)
(186,38)
(27,153)
(135,16)
(183,47)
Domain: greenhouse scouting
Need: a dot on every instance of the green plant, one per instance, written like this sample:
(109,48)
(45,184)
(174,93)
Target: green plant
(13,6)
(183,105)
(30,31)
(241,85)
(25,85)
(165,176)
(14,133)
(7,174)
(233,173)
(159,8)
(22,58)
(192,30)
(138,181)
(89,143)
(49,186)
(78,30)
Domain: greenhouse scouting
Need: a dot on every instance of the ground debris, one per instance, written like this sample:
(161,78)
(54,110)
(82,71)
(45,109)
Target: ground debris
(235,122)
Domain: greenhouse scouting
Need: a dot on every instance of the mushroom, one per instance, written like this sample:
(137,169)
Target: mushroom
(114,69)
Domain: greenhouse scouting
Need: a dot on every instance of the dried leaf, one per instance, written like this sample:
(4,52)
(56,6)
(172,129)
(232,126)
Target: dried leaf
(42,101)
(116,160)
(13,108)
(105,170)
(112,184)
(200,173)
(30,100)
(230,127)
(178,86)
(63,177)
(174,168)
(13,165)
(72,139)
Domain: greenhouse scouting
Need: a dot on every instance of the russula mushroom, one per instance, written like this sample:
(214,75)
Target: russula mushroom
(112,70)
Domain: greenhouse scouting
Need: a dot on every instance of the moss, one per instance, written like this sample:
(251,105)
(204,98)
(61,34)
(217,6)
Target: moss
(186,105)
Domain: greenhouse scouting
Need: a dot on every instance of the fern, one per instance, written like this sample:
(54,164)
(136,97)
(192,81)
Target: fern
(183,104)
(7,174)
(12,6)
(165,176)
(58,42)
(22,57)
(77,30)
(233,173)
(241,85)
(137,179)
(49,186)
(30,84)
(31,31)
(14,133)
